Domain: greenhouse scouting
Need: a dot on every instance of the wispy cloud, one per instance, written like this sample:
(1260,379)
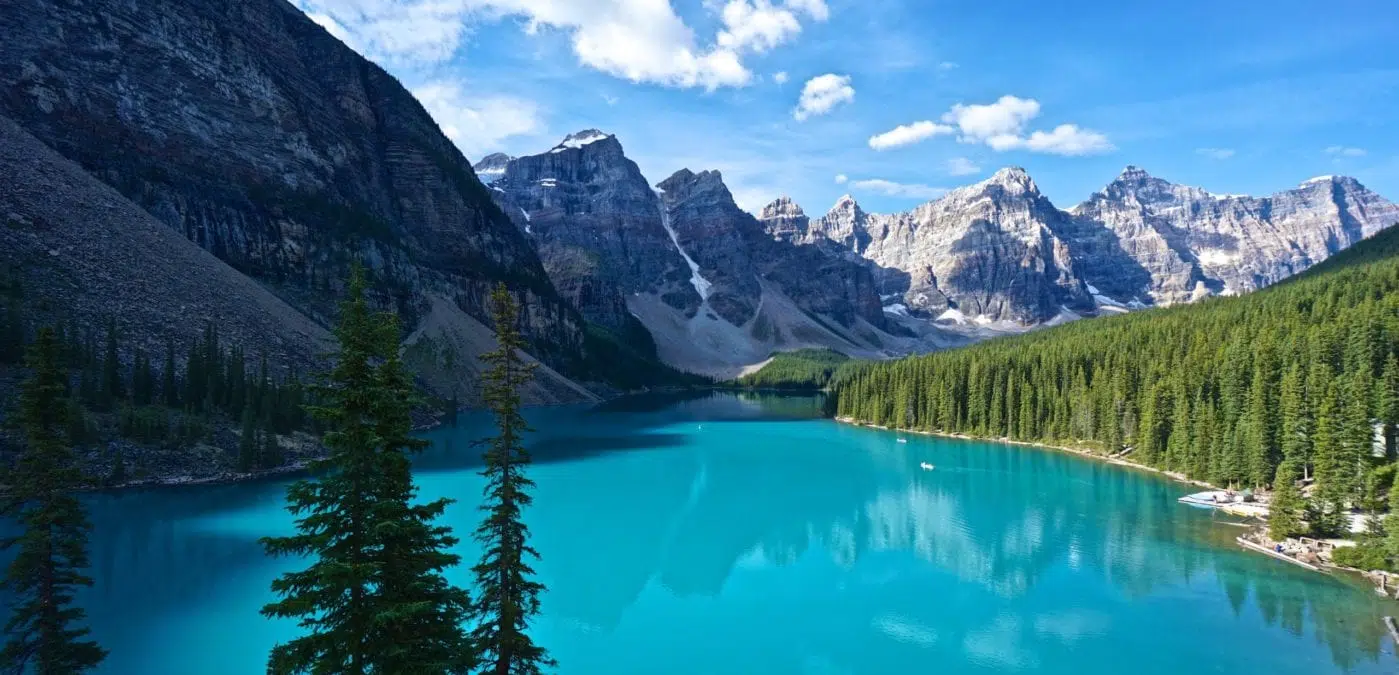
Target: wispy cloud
(780,77)
(908,134)
(823,93)
(895,189)
(477,125)
(1215,153)
(842,179)
(1343,151)
(961,166)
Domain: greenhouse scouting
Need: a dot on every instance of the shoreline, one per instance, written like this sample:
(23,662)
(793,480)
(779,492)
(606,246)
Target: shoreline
(1081,452)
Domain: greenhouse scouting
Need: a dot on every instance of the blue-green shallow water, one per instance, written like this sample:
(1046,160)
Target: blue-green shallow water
(742,535)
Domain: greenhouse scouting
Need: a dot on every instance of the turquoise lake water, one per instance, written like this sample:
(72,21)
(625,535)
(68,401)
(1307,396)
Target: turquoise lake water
(731,534)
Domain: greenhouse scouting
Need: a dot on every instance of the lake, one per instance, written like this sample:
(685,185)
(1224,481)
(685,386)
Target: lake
(742,534)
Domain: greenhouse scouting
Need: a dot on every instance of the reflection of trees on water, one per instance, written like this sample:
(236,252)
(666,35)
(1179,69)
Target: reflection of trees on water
(999,520)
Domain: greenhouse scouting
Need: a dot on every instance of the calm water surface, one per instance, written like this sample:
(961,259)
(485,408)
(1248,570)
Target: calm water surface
(733,534)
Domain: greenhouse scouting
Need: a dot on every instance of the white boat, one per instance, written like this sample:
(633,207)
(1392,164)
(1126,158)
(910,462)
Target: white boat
(903,440)
(926,466)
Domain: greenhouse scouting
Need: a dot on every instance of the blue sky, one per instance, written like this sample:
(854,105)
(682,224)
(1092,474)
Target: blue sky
(894,101)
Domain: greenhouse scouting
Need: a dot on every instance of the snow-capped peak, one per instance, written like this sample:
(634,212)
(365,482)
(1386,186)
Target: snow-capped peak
(580,139)
(846,201)
(1015,179)
(1319,179)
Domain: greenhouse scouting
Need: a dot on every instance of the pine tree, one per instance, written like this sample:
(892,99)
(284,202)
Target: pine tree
(421,623)
(1285,511)
(44,632)
(508,597)
(333,599)
(247,443)
(169,390)
(111,389)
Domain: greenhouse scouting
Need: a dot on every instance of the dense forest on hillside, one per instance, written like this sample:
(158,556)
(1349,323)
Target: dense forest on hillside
(1299,381)
(802,369)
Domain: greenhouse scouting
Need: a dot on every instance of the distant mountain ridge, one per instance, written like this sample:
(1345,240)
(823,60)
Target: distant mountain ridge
(989,258)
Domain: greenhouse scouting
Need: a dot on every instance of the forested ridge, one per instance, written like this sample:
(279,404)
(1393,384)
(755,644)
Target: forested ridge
(1299,381)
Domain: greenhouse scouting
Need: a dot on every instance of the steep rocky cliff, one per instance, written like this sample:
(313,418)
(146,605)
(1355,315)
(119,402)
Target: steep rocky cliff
(247,128)
(596,223)
(1143,238)
(987,251)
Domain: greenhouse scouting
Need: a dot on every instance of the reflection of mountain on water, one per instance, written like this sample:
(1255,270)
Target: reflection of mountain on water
(1003,520)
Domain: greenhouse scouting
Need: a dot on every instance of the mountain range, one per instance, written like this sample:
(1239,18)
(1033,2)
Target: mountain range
(720,289)
(274,157)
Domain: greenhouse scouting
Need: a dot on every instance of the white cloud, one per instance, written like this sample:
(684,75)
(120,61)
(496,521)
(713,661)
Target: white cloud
(637,40)
(1000,126)
(393,31)
(477,125)
(893,189)
(780,77)
(1215,153)
(816,9)
(822,93)
(611,100)
(961,166)
(1343,151)
(1069,140)
(755,26)
(993,122)
(841,179)
(908,134)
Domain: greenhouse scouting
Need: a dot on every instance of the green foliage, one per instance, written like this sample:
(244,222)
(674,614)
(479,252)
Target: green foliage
(508,596)
(373,599)
(803,369)
(1223,390)
(628,360)
(44,632)
(1364,556)
(1285,510)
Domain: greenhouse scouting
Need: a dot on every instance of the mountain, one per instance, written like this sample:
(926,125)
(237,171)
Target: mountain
(1144,238)
(998,253)
(987,250)
(250,130)
(710,285)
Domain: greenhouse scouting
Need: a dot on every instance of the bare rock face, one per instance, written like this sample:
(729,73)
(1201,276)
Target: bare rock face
(710,227)
(250,130)
(1144,238)
(784,220)
(989,250)
(597,225)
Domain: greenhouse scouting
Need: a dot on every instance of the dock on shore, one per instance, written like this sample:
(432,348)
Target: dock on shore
(1270,552)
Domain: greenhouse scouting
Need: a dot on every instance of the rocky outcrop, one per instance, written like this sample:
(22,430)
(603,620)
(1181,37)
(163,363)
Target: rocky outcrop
(250,130)
(710,227)
(597,225)
(988,251)
(1147,239)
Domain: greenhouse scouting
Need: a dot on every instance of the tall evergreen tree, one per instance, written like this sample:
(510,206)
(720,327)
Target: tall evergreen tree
(424,614)
(508,596)
(44,633)
(1285,511)
(333,599)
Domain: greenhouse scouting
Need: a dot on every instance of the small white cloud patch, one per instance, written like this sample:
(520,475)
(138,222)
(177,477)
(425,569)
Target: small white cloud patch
(841,179)
(823,93)
(895,189)
(780,77)
(961,166)
(908,134)
(1343,151)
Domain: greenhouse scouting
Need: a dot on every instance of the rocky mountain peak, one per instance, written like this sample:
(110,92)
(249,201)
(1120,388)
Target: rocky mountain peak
(781,207)
(1014,180)
(582,138)
(492,166)
(686,184)
(784,219)
(1132,174)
